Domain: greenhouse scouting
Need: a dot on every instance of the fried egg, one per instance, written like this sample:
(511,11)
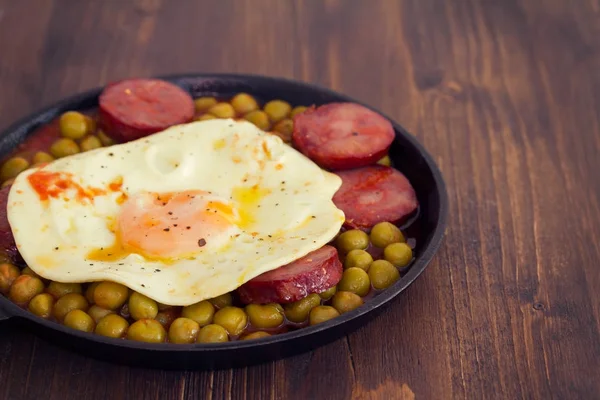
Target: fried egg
(180,216)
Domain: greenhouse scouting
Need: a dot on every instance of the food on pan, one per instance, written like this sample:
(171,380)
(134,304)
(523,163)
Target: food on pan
(163,218)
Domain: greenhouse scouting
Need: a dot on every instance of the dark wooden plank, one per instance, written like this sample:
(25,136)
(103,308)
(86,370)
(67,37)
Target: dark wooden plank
(505,95)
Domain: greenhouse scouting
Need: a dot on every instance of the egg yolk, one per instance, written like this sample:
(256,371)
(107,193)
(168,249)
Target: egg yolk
(168,225)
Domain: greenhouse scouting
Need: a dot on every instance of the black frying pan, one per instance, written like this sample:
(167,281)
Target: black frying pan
(407,155)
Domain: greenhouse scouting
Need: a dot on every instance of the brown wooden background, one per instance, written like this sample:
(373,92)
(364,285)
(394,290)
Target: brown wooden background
(505,94)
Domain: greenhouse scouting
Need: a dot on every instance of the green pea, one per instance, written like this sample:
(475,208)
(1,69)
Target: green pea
(243,103)
(205,117)
(110,295)
(326,295)
(142,307)
(59,289)
(222,110)
(284,129)
(355,280)
(8,274)
(383,274)
(346,301)
(79,320)
(352,240)
(90,143)
(202,312)
(147,330)
(73,125)
(277,110)
(233,319)
(224,300)
(42,157)
(358,259)
(64,147)
(297,110)
(97,313)
(13,167)
(385,161)
(212,334)
(90,124)
(385,233)
(256,335)
(204,103)
(89,292)
(24,288)
(399,254)
(259,118)
(67,303)
(321,314)
(112,325)
(264,316)
(298,311)
(105,139)
(183,330)
(30,272)
(41,305)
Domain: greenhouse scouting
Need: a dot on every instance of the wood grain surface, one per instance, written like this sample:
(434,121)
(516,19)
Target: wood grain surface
(505,95)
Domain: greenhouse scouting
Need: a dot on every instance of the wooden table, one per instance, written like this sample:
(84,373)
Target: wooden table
(505,94)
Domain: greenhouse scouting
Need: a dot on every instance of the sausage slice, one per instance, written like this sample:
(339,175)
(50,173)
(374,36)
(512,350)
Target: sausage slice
(374,194)
(135,108)
(313,273)
(340,136)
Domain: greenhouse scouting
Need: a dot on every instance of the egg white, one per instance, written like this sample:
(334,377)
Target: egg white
(294,215)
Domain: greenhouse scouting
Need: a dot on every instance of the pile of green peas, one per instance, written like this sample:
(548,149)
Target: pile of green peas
(363,275)
(275,116)
(112,310)
(77,133)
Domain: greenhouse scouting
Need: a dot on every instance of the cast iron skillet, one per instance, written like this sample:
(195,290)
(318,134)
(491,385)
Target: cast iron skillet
(407,155)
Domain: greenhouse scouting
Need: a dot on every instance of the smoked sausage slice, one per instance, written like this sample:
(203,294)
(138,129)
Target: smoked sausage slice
(340,136)
(135,108)
(374,194)
(313,273)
